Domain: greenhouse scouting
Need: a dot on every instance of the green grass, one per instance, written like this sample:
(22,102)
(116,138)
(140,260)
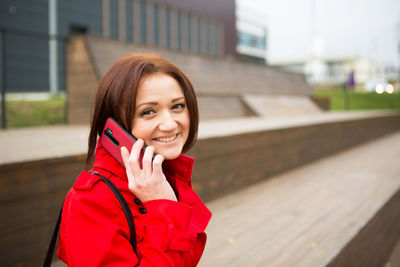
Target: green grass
(51,112)
(23,113)
(359,100)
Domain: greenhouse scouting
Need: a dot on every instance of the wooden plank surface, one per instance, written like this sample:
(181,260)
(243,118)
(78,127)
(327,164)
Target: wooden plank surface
(304,217)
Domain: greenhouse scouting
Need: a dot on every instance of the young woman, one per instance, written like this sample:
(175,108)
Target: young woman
(154,100)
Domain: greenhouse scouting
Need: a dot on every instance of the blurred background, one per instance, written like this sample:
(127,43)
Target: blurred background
(298,147)
(348,50)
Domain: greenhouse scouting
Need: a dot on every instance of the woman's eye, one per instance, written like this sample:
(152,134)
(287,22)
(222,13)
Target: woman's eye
(147,112)
(178,106)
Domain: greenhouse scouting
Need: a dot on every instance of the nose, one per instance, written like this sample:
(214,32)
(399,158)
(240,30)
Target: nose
(167,122)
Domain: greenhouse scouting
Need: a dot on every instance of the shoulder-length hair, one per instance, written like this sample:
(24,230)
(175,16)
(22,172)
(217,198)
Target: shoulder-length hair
(117,90)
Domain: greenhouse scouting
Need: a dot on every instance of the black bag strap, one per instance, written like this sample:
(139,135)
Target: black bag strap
(125,208)
(50,250)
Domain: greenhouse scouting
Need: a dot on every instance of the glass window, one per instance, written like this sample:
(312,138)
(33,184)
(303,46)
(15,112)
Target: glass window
(189,32)
(129,20)
(208,37)
(167,22)
(216,39)
(252,40)
(143,26)
(198,35)
(179,33)
(156,31)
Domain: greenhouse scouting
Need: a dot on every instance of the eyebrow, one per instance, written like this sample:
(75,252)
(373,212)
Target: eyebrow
(155,103)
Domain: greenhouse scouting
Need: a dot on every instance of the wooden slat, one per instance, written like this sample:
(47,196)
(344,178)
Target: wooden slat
(310,215)
(29,213)
(29,179)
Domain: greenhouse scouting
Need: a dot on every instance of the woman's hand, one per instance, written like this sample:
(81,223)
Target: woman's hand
(149,182)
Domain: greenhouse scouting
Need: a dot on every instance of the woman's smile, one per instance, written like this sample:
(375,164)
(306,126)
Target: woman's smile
(168,139)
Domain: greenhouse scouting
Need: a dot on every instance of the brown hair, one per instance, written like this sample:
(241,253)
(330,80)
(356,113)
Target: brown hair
(116,95)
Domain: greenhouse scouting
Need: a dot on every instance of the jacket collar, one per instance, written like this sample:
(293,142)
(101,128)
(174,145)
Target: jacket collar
(180,168)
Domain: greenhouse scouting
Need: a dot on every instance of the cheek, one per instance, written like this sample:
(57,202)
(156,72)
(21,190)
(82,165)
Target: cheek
(142,130)
(186,122)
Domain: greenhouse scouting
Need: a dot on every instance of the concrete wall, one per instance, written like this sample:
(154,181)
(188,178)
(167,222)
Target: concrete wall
(218,83)
(81,82)
(208,74)
(32,192)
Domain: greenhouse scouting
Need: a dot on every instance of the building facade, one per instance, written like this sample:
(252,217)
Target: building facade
(34,33)
(330,70)
(252,37)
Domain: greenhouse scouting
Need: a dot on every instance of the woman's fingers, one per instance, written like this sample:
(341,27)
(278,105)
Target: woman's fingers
(134,157)
(129,174)
(147,160)
(125,156)
(157,165)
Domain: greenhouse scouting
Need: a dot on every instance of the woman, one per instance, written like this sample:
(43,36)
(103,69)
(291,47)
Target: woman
(156,101)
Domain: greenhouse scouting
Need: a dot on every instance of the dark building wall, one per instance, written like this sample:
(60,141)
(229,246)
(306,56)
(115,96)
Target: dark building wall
(191,26)
(24,26)
(24,15)
(25,30)
(77,13)
(223,10)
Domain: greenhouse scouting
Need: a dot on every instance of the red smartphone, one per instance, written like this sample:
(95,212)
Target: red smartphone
(114,136)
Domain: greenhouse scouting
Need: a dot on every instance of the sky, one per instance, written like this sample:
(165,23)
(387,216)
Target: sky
(364,28)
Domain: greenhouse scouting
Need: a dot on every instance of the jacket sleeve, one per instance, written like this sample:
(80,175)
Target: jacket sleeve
(94,232)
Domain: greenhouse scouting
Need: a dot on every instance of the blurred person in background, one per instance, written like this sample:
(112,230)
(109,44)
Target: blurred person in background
(351,83)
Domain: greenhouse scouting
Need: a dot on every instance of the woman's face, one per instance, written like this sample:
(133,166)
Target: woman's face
(161,117)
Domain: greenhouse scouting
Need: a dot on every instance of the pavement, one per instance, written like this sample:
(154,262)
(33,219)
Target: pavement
(30,144)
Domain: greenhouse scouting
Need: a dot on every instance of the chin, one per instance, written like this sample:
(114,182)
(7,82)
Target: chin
(170,154)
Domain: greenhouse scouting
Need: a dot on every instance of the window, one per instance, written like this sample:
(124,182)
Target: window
(189,32)
(198,35)
(167,22)
(179,33)
(208,37)
(143,26)
(156,31)
(216,39)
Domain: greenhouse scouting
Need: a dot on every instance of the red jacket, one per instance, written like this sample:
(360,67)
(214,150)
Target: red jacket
(94,230)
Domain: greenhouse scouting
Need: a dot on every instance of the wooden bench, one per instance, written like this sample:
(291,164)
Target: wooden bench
(339,211)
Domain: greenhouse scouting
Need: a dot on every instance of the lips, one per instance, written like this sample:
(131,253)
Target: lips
(166,139)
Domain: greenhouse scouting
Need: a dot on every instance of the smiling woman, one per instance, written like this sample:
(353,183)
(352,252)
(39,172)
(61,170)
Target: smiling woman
(161,116)
(155,101)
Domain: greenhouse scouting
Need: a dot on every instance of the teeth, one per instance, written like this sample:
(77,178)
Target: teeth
(166,139)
